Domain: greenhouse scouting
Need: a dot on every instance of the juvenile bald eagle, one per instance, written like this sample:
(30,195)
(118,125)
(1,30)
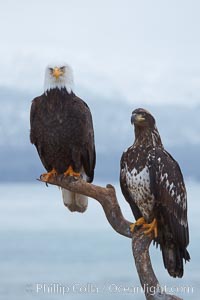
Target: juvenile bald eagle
(62,131)
(152,183)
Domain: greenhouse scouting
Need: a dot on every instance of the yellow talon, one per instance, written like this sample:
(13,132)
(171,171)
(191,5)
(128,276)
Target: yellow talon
(139,221)
(47,176)
(152,227)
(70,172)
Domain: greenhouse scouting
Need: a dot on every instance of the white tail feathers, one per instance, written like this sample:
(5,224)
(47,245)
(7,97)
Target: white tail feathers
(75,202)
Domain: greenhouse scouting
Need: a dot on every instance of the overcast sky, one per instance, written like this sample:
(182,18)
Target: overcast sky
(145,51)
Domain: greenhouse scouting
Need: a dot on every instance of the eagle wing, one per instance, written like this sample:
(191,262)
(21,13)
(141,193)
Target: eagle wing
(88,153)
(168,187)
(170,194)
(32,116)
(35,132)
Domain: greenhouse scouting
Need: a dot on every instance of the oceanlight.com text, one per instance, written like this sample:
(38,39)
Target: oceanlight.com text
(94,288)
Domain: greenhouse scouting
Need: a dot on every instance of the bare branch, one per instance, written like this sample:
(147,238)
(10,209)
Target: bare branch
(140,242)
(105,196)
(148,279)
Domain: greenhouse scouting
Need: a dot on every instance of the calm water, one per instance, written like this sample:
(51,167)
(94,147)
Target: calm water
(49,253)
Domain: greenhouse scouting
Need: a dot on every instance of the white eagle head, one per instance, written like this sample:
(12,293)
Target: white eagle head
(58,75)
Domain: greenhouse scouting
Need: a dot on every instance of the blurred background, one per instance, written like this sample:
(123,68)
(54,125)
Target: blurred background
(125,54)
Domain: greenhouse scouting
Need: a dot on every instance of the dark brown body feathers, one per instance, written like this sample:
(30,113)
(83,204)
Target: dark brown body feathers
(62,131)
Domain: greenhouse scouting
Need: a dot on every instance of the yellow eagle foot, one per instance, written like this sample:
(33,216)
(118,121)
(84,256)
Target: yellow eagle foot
(152,227)
(139,222)
(71,172)
(47,176)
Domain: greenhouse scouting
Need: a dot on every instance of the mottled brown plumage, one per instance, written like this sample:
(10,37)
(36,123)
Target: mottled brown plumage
(152,183)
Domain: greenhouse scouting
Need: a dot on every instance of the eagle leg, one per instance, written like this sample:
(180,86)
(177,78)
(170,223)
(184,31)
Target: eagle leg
(46,176)
(71,172)
(152,227)
(139,222)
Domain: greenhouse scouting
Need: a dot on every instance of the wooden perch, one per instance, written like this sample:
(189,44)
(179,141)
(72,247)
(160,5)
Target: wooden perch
(140,242)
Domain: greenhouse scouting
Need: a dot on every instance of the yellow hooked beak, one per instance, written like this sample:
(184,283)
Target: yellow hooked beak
(57,72)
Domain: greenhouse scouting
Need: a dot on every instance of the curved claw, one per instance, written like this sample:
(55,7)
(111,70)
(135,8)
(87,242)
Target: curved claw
(152,227)
(139,222)
(71,172)
(47,176)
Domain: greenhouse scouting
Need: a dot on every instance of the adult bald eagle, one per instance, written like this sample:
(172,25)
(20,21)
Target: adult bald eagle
(62,131)
(152,183)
